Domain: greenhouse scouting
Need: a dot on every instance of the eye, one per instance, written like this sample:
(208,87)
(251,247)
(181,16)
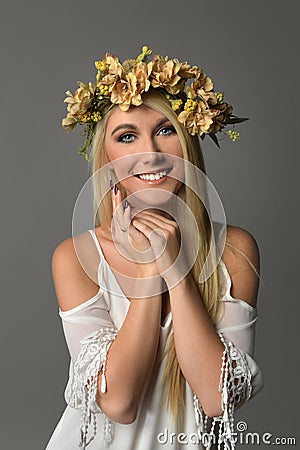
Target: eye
(126,138)
(166,131)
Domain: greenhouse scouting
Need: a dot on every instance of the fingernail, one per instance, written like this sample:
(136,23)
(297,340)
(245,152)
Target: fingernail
(126,204)
(115,189)
(111,184)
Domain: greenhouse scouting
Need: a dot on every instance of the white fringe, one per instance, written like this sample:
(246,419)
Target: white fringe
(82,387)
(234,367)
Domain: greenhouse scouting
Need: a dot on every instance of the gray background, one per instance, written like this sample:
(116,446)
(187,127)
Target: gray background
(250,48)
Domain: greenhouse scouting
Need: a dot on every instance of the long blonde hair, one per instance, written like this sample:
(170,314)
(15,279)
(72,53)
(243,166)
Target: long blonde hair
(212,290)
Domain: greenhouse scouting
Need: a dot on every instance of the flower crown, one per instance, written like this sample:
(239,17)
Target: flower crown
(198,107)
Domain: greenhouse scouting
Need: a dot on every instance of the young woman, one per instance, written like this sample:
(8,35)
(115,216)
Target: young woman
(159,359)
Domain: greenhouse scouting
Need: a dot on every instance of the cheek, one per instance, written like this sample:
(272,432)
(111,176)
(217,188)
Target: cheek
(128,184)
(112,154)
(174,147)
(176,185)
(119,162)
(179,151)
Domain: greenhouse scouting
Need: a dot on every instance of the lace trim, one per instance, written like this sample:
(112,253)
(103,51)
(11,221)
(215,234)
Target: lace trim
(235,385)
(83,384)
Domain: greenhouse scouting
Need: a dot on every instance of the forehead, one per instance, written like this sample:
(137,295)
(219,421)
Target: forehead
(137,115)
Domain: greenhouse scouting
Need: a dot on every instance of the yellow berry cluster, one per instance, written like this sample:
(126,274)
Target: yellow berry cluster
(104,90)
(220,97)
(96,116)
(176,104)
(85,117)
(101,65)
(146,51)
(234,135)
(190,105)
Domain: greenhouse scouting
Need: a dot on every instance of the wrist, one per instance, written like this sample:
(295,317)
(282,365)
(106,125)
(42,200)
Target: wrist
(147,271)
(177,272)
(146,284)
(173,278)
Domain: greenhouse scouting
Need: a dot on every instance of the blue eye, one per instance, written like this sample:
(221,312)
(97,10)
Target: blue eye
(166,131)
(126,138)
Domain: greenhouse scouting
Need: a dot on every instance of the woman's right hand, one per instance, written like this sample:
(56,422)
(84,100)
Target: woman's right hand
(129,240)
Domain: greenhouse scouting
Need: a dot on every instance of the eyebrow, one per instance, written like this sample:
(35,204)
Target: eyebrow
(131,126)
(124,126)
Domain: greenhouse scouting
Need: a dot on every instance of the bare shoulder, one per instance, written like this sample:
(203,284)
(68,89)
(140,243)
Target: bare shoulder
(242,240)
(72,283)
(241,248)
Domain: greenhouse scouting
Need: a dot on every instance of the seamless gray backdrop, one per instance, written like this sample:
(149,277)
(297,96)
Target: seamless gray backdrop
(250,48)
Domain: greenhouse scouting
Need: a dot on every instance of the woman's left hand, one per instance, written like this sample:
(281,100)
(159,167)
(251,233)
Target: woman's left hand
(164,237)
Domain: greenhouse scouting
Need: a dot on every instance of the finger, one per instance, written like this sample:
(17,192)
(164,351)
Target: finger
(138,240)
(113,197)
(116,217)
(156,218)
(163,215)
(126,215)
(154,222)
(144,227)
(118,207)
(147,222)
(137,236)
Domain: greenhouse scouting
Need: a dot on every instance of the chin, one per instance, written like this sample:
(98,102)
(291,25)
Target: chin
(151,198)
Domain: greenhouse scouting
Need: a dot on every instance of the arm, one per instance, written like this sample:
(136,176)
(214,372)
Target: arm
(130,360)
(198,345)
(199,348)
(131,355)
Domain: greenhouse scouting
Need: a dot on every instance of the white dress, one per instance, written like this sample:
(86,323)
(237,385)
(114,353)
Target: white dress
(91,327)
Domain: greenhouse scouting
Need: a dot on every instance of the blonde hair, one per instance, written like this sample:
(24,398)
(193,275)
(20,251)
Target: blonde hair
(211,290)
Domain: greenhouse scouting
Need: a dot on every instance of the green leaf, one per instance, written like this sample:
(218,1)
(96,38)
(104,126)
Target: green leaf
(233,119)
(214,138)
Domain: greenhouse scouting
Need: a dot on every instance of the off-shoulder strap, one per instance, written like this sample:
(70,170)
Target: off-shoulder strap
(227,278)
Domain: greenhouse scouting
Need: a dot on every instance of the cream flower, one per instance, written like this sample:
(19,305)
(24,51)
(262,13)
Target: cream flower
(124,92)
(128,90)
(115,68)
(204,82)
(199,120)
(187,71)
(165,74)
(142,72)
(114,71)
(128,65)
(223,112)
(107,83)
(81,100)
(69,123)
(202,87)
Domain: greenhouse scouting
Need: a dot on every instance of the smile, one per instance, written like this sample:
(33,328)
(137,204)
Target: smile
(153,176)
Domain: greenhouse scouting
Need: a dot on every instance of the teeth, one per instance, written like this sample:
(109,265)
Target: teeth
(152,176)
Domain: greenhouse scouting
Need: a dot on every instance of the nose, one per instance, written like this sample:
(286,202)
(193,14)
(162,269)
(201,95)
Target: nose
(151,152)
